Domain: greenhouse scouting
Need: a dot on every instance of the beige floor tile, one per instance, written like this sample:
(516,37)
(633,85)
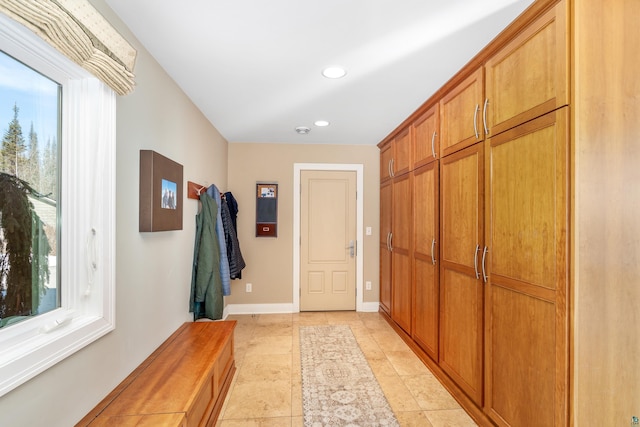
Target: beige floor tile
(243,334)
(310,318)
(275,318)
(397,394)
(382,368)
(257,422)
(370,347)
(450,418)
(296,365)
(407,363)
(389,341)
(375,323)
(266,367)
(272,329)
(267,391)
(358,329)
(413,419)
(269,345)
(239,353)
(243,319)
(296,397)
(429,393)
(259,399)
(342,317)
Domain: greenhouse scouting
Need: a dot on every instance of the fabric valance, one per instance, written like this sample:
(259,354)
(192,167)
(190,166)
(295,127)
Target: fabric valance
(80,32)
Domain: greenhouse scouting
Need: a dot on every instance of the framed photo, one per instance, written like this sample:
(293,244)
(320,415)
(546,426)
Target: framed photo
(267,190)
(160,193)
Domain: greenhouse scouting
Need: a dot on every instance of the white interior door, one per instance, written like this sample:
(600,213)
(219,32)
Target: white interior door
(327,240)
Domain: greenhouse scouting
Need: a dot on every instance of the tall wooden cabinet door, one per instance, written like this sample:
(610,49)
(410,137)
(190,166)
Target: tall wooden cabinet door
(527,264)
(386,156)
(401,163)
(529,76)
(461,288)
(386,200)
(426,258)
(461,114)
(426,140)
(400,253)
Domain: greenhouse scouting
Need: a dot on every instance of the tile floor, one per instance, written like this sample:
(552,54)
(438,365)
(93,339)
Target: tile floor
(267,391)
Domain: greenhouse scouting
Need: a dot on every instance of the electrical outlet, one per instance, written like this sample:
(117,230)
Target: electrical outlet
(248,287)
(367,285)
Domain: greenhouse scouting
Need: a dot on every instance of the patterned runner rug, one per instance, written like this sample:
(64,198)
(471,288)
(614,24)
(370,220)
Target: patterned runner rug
(338,387)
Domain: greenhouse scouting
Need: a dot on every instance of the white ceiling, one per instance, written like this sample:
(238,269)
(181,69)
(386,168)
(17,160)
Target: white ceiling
(253,67)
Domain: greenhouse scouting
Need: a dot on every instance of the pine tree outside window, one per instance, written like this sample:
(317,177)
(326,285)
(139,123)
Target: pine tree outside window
(28,193)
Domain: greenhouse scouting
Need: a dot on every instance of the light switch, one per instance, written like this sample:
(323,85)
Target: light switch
(368,231)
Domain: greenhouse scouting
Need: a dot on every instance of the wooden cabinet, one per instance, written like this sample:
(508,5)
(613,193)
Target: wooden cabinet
(395,156)
(527,224)
(492,316)
(386,158)
(395,220)
(461,114)
(386,203)
(401,162)
(529,76)
(560,330)
(183,383)
(461,280)
(400,253)
(425,257)
(426,141)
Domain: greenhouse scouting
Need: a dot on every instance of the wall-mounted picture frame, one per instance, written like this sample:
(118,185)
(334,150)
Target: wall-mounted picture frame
(160,193)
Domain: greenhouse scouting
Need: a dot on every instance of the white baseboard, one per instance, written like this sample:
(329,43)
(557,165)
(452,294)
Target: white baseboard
(370,307)
(279,308)
(258,308)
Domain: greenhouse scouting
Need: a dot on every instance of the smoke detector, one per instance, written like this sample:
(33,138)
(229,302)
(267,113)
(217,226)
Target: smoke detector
(303,130)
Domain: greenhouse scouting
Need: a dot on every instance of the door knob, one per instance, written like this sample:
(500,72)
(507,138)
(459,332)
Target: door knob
(352,248)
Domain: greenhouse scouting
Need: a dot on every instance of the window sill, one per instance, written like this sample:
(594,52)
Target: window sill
(33,355)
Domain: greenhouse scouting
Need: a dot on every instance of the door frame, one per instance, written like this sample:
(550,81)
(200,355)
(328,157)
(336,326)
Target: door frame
(297,171)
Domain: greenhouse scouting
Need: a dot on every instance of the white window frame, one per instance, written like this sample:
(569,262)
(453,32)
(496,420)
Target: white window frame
(86,252)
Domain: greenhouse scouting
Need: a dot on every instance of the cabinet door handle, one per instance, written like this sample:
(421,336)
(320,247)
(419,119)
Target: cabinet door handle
(475,261)
(433,245)
(391,242)
(389,168)
(433,144)
(484,272)
(475,121)
(393,167)
(484,116)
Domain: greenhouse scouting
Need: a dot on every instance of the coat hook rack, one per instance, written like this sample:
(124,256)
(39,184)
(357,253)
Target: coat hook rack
(194,190)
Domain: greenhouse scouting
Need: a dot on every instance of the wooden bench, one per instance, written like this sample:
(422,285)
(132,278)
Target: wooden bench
(183,383)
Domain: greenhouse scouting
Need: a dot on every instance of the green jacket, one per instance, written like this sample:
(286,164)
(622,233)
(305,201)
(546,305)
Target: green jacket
(206,286)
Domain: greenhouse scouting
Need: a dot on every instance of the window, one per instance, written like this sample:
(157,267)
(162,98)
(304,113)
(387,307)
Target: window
(29,189)
(85,223)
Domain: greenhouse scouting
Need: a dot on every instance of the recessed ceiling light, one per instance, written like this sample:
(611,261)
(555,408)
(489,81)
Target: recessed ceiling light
(303,130)
(321,123)
(334,72)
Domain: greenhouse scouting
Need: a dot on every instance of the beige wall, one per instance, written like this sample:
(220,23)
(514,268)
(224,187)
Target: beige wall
(270,260)
(153,270)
